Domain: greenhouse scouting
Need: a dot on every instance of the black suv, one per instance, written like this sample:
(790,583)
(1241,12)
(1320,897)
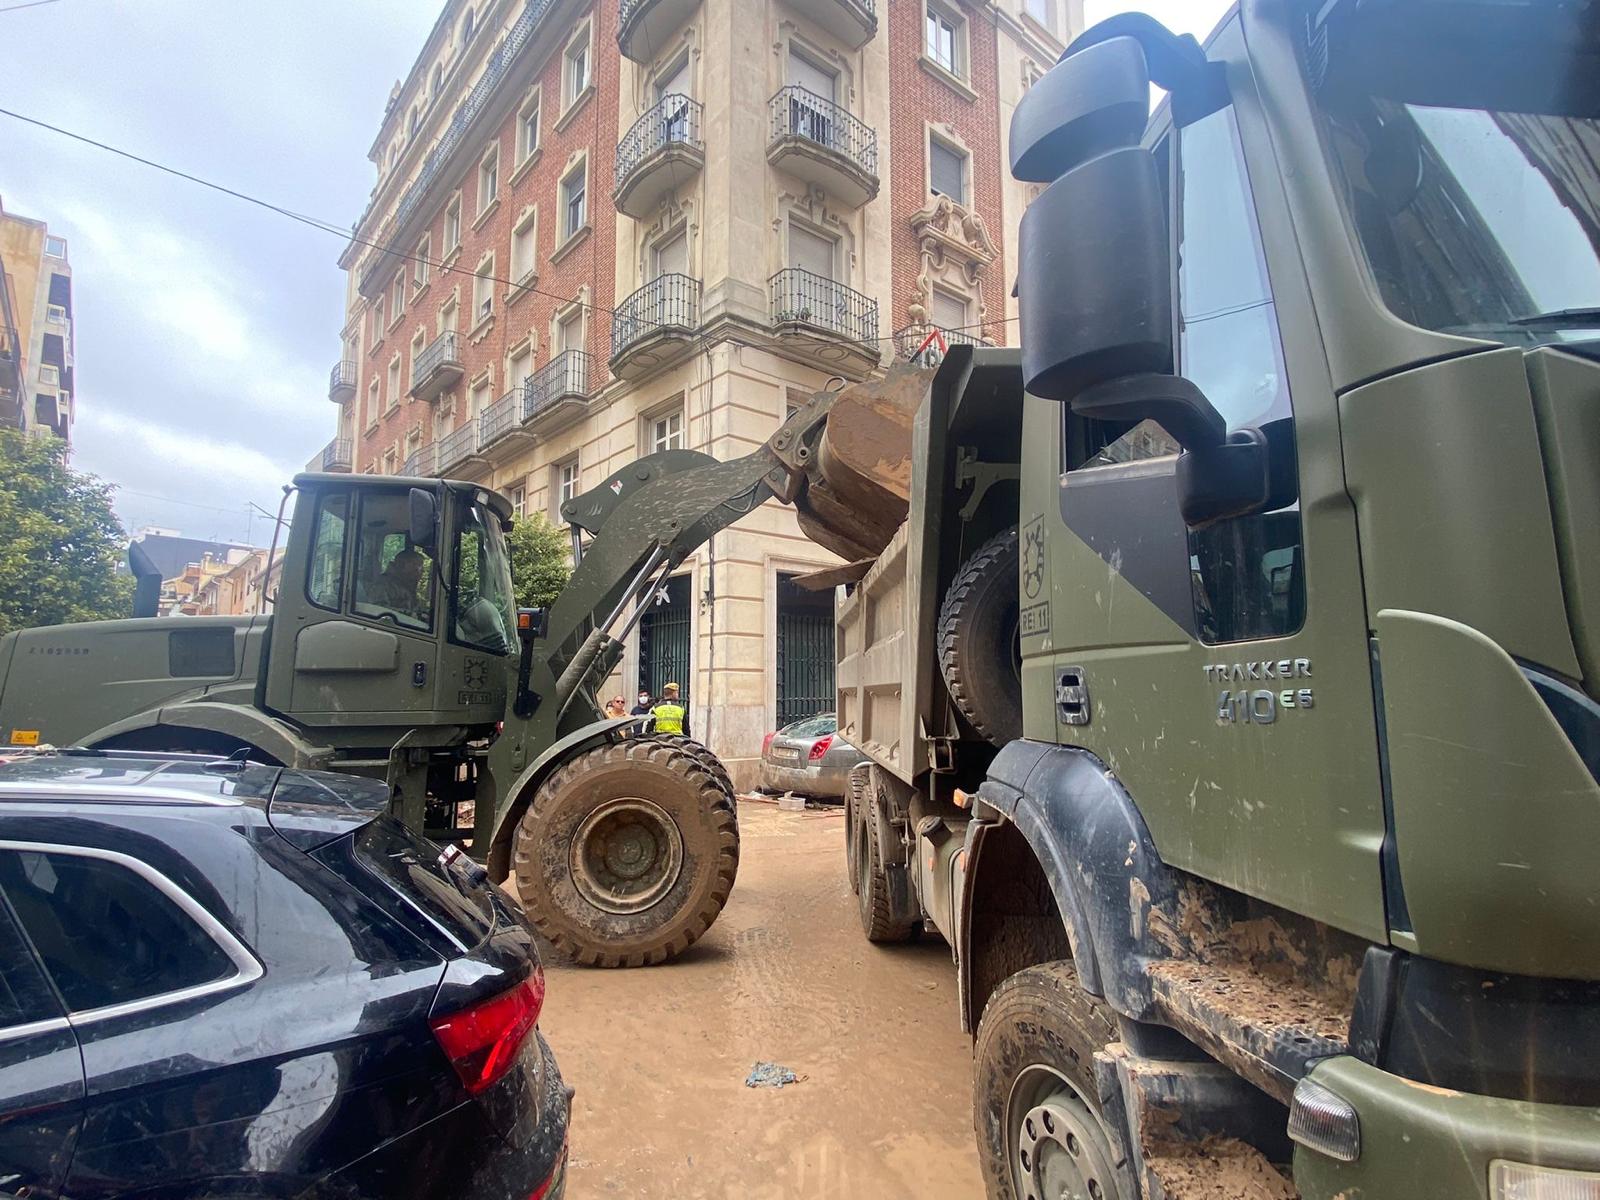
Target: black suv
(225,980)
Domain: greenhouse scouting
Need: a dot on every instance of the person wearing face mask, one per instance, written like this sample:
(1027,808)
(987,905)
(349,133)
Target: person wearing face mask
(642,709)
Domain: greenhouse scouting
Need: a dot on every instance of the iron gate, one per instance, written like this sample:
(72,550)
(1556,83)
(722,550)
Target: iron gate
(664,641)
(805,653)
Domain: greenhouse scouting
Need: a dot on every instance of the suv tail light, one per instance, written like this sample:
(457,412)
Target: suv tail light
(481,1042)
(766,742)
(820,747)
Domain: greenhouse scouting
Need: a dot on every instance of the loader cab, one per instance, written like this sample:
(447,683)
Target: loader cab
(395,607)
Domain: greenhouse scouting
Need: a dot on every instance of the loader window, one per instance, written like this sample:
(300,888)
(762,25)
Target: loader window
(325,579)
(481,597)
(394,579)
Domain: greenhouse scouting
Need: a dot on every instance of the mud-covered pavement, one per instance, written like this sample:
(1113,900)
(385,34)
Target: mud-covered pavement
(659,1056)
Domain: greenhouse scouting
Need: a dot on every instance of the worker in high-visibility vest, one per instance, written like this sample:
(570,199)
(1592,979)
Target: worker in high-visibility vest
(671,714)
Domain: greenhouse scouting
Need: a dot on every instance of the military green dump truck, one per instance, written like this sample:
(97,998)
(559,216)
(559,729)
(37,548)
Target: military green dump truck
(393,650)
(1231,686)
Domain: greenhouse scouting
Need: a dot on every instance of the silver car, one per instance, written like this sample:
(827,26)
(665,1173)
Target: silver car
(809,758)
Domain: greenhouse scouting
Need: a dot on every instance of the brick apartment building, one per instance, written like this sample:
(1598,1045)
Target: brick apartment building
(36,344)
(607,227)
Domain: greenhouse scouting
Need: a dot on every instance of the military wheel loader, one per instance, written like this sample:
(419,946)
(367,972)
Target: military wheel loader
(1232,686)
(393,650)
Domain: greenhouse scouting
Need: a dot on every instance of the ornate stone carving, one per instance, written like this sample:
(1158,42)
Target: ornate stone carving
(955,247)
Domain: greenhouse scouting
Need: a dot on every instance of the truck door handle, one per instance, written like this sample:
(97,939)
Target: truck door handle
(1072,696)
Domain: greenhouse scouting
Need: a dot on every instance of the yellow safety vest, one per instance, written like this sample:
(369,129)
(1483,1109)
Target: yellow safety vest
(669,716)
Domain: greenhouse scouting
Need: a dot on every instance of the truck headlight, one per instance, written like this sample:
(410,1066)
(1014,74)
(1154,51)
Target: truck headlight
(1523,1181)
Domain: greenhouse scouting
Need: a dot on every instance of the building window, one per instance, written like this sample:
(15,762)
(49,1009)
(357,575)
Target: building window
(438,83)
(55,314)
(947,170)
(389,464)
(519,502)
(1042,12)
(411,125)
(488,180)
(949,310)
(812,251)
(524,242)
(574,198)
(394,383)
(469,25)
(55,247)
(670,256)
(480,396)
(377,320)
(452,224)
(417,347)
(374,400)
(49,375)
(519,367)
(577,67)
(666,431)
(944,36)
(528,129)
(449,317)
(483,289)
(569,331)
(566,482)
(398,309)
(419,269)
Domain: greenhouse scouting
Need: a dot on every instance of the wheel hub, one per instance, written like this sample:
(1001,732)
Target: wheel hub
(627,854)
(1061,1153)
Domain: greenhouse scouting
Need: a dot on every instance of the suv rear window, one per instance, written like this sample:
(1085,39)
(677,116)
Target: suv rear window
(410,865)
(105,935)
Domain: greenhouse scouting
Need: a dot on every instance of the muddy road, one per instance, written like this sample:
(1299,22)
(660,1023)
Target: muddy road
(659,1055)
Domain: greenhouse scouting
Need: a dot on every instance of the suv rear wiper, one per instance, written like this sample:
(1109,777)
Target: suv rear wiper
(1562,318)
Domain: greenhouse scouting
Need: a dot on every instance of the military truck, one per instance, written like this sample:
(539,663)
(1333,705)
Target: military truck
(393,650)
(1231,685)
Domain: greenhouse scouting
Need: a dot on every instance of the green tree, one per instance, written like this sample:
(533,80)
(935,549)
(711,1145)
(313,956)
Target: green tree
(60,541)
(539,554)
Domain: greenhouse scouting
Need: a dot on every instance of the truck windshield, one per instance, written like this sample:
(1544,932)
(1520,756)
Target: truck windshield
(1475,221)
(482,600)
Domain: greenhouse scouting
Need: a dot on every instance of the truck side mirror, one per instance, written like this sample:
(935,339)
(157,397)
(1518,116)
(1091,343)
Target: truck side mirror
(424,530)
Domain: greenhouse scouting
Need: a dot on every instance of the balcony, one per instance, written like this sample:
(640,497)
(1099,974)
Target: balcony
(438,368)
(833,324)
(457,447)
(559,394)
(502,417)
(660,152)
(916,343)
(655,326)
(337,455)
(822,143)
(643,26)
(342,381)
(853,22)
(422,462)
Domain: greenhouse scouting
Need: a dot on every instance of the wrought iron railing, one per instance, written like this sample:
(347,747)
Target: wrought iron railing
(666,302)
(423,461)
(501,417)
(566,376)
(494,72)
(797,112)
(801,297)
(336,455)
(443,349)
(916,343)
(458,445)
(672,121)
(342,376)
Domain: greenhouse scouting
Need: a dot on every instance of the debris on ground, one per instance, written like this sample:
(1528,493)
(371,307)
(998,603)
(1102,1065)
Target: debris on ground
(767,1074)
(792,803)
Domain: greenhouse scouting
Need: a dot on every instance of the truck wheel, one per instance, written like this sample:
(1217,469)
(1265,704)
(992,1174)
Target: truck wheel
(627,854)
(701,753)
(880,888)
(980,652)
(1036,1109)
(854,831)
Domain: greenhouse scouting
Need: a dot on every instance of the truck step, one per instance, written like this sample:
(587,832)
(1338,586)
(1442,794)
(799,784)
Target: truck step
(1218,1168)
(1267,1027)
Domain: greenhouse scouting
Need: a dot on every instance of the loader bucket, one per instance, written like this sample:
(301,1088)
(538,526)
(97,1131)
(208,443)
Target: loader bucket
(858,484)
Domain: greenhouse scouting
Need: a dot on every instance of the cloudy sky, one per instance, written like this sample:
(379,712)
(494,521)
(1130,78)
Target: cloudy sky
(206,327)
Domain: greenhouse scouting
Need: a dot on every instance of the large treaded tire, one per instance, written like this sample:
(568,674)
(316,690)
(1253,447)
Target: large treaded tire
(1036,1045)
(876,892)
(701,753)
(979,652)
(546,863)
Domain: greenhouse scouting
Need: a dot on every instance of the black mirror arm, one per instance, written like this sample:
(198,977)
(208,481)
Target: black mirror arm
(1171,401)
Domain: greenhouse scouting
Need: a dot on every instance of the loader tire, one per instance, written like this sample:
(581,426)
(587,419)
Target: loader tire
(881,889)
(701,753)
(980,653)
(627,854)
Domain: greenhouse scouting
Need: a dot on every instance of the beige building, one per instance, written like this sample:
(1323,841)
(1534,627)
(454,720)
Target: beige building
(603,228)
(37,356)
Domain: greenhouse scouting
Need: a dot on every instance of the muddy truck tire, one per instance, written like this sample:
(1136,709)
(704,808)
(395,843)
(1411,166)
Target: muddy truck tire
(888,913)
(980,653)
(627,854)
(1036,1109)
(701,753)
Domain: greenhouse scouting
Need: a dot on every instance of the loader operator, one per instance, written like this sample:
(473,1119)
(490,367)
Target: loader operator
(396,588)
(672,716)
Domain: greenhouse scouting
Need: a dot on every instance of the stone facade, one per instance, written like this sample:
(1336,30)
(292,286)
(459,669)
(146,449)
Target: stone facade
(758,218)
